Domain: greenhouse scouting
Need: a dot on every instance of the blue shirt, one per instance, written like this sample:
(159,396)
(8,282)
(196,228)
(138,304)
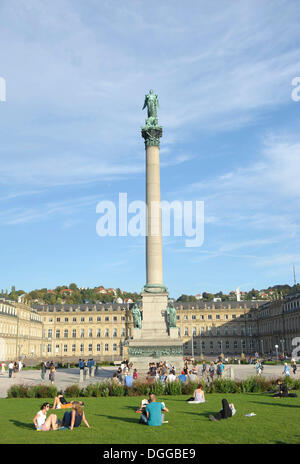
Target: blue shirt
(182,378)
(154,410)
(128,380)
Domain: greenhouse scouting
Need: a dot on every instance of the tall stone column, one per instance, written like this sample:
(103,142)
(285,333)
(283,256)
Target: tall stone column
(154,340)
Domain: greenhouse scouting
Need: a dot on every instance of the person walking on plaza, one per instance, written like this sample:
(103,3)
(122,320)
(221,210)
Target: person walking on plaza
(10,369)
(258,367)
(15,369)
(43,370)
(20,365)
(294,366)
(204,370)
(52,374)
(220,370)
(211,371)
(286,370)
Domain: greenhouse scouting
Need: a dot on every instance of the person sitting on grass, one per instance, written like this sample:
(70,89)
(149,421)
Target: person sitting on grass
(74,418)
(283,391)
(154,411)
(228,410)
(198,395)
(61,403)
(42,423)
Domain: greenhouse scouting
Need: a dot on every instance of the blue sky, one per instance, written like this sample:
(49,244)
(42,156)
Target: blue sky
(76,75)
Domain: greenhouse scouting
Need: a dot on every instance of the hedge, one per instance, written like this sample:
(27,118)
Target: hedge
(109,388)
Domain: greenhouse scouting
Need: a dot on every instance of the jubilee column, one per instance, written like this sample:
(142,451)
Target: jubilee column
(155,335)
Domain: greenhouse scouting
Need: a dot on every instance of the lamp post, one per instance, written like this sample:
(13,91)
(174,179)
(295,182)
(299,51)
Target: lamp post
(262,347)
(276,348)
(282,346)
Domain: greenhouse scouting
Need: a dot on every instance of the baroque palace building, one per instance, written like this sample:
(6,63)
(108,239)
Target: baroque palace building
(102,331)
(21,331)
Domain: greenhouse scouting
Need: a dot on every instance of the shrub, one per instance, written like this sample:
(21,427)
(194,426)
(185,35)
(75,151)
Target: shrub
(157,388)
(188,388)
(73,391)
(173,388)
(116,390)
(139,389)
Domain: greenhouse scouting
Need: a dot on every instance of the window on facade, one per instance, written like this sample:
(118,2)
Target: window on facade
(49,348)
(65,348)
(82,319)
(49,333)
(233,316)
(82,333)
(81,347)
(235,344)
(66,334)
(106,347)
(114,347)
(227,345)
(57,334)
(50,319)
(90,347)
(98,318)
(90,332)
(115,319)
(185,318)
(98,347)
(218,316)
(66,319)
(186,331)
(73,348)
(91,319)
(74,319)
(106,332)
(115,333)
(74,333)
(193,317)
(209,316)
(123,333)
(98,333)
(106,319)
(194,331)
(58,319)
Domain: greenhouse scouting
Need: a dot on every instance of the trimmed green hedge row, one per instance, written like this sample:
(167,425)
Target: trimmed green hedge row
(108,388)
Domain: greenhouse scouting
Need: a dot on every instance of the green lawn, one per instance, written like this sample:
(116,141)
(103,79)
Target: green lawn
(114,420)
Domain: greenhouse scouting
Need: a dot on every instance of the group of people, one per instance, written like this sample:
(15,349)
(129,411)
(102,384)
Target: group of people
(13,368)
(125,374)
(52,371)
(70,419)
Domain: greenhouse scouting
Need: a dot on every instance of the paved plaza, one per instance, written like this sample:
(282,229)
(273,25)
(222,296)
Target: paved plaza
(66,377)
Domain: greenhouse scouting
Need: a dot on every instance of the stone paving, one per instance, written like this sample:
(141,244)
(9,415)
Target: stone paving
(65,377)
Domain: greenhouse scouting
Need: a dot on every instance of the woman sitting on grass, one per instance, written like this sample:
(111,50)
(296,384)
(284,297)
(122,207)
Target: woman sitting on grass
(73,418)
(42,423)
(198,396)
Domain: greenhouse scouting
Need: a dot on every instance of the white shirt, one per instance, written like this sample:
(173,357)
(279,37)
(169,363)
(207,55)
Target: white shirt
(41,419)
(10,366)
(171,378)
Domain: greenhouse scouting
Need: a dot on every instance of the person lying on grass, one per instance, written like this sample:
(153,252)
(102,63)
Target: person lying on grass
(74,418)
(61,403)
(198,396)
(228,410)
(42,423)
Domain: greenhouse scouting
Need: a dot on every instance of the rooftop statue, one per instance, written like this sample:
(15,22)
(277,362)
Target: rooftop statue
(151,102)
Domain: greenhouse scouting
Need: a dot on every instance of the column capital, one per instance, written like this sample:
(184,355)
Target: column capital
(152,135)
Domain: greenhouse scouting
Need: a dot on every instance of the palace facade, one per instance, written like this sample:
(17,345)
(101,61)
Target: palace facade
(102,331)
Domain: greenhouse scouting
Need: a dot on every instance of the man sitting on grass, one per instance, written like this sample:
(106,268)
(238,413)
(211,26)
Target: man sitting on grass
(154,411)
